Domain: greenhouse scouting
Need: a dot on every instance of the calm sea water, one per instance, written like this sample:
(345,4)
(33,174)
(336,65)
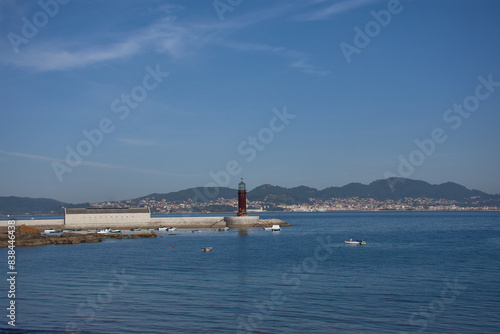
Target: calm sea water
(418,273)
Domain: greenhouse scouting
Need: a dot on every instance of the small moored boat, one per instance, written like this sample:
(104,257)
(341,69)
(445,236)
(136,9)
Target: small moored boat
(166,229)
(104,231)
(274,228)
(355,242)
(206,249)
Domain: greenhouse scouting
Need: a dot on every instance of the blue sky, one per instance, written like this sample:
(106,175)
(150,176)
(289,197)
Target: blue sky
(178,94)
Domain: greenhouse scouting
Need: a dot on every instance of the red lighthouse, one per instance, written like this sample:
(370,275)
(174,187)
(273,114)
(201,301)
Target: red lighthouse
(242,199)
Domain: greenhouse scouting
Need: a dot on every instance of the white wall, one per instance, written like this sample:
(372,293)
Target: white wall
(107,219)
(201,222)
(90,221)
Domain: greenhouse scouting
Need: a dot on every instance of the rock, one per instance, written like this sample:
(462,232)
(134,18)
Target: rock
(27,229)
(30,236)
(34,242)
(270,222)
(88,238)
(26,232)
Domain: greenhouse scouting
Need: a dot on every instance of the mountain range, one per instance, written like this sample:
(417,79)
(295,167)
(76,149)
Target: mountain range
(392,188)
(14,205)
(387,189)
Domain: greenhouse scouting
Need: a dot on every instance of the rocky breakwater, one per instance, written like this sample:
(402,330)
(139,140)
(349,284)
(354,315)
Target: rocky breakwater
(31,236)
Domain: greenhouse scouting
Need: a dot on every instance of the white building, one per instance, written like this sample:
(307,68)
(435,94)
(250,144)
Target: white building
(106,216)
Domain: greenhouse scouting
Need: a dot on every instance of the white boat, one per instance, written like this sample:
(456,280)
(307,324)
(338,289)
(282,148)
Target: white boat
(355,242)
(166,229)
(50,230)
(275,228)
(104,231)
(206,249)
(225,228)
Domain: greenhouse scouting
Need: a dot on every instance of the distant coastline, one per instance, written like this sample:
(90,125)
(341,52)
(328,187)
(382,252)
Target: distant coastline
(394,194)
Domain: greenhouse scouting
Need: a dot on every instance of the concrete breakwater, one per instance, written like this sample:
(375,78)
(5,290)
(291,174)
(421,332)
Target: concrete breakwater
(153,222)
(93,218)
(36,222)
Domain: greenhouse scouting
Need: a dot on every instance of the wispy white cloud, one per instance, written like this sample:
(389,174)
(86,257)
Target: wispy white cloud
(164,36)
(170,8)
(334,9)
(50,58)
(308,68)
(30,156)
(296,59)
(93,164)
